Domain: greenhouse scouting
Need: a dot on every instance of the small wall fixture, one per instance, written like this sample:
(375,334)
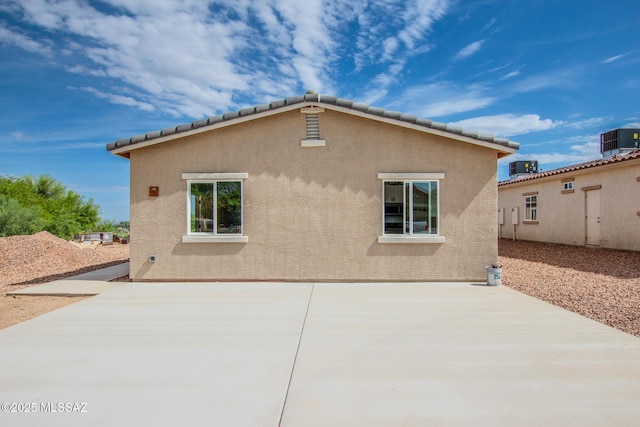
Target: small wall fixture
(152,258)
(154,191)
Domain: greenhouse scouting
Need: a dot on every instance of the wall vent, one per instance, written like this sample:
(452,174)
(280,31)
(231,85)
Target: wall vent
(312,120)
(313,126)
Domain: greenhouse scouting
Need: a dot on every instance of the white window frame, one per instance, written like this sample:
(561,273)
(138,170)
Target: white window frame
(531,214)
(568,185)
(410,238)
(213,237)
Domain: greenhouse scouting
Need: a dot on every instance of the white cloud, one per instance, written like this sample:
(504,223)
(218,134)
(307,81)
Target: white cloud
(23,42)
(511,75)
(490,24)
(553,159)
(120,99)
(418,18)
(614,58)
(565,77)
(441,99)
(391,33)
(587,123)
(469,50)
(508,124)
(19,135)
(196,58)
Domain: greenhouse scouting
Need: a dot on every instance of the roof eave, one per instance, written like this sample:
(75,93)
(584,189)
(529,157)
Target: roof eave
(181,134)
(504,147)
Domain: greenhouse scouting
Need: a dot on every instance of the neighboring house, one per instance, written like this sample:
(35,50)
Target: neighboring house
(313,188)
(589,204)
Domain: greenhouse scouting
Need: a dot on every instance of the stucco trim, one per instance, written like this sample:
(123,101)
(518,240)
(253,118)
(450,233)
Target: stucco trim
(411,239)
(313,143)
(591,187)
(215,176)
(312,110)
(215,239)
(410,176)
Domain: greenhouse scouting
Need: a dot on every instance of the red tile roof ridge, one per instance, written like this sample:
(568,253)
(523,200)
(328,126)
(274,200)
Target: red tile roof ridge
(585,165)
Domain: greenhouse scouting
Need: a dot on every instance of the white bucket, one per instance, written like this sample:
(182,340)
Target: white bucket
(494,276)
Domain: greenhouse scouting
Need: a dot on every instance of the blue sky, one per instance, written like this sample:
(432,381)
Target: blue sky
(77,74)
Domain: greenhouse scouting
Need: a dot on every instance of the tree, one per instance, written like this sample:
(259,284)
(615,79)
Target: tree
(60,212)
(16,219)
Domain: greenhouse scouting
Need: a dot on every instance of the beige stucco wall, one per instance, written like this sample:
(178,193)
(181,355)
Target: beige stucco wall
(313,213)
(561,217)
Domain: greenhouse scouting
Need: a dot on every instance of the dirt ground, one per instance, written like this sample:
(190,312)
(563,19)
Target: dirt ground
(41,258)
(17,309)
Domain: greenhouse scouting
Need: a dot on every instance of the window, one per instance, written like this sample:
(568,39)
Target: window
(568,185)
(531,208)
(214,208)
(411,208)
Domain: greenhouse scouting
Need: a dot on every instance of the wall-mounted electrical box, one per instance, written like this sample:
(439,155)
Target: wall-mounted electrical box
(501,216)
(515,217)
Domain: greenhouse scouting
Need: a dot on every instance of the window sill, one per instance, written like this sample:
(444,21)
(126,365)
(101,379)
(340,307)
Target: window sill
(215,239)
(411,239)
(529,222)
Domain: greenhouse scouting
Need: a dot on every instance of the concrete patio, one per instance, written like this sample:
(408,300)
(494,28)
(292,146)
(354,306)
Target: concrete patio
(318,354)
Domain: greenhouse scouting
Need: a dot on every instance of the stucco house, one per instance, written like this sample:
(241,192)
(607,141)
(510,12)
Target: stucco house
(313,188)
(595,204)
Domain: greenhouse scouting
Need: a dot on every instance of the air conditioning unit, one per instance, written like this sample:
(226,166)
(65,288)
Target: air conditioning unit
(522,167)
(619,141)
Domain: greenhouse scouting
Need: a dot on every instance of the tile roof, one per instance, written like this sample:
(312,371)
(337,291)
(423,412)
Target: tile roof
(316,99)
(587,165)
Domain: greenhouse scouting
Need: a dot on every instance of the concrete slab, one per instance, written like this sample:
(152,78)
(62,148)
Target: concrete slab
(166,354)
(457,355)
(301,354)
(86,284)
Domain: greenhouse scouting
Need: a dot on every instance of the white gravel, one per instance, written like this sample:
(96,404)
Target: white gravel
(601,284)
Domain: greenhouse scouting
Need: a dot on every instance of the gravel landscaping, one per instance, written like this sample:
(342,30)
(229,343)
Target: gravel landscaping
(40,258)
(43,257)
(601,284)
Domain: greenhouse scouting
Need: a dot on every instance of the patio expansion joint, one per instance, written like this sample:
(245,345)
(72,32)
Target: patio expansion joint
(295,357)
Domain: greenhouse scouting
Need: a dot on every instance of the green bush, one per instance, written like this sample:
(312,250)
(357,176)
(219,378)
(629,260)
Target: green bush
(16,219)
(62,213)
